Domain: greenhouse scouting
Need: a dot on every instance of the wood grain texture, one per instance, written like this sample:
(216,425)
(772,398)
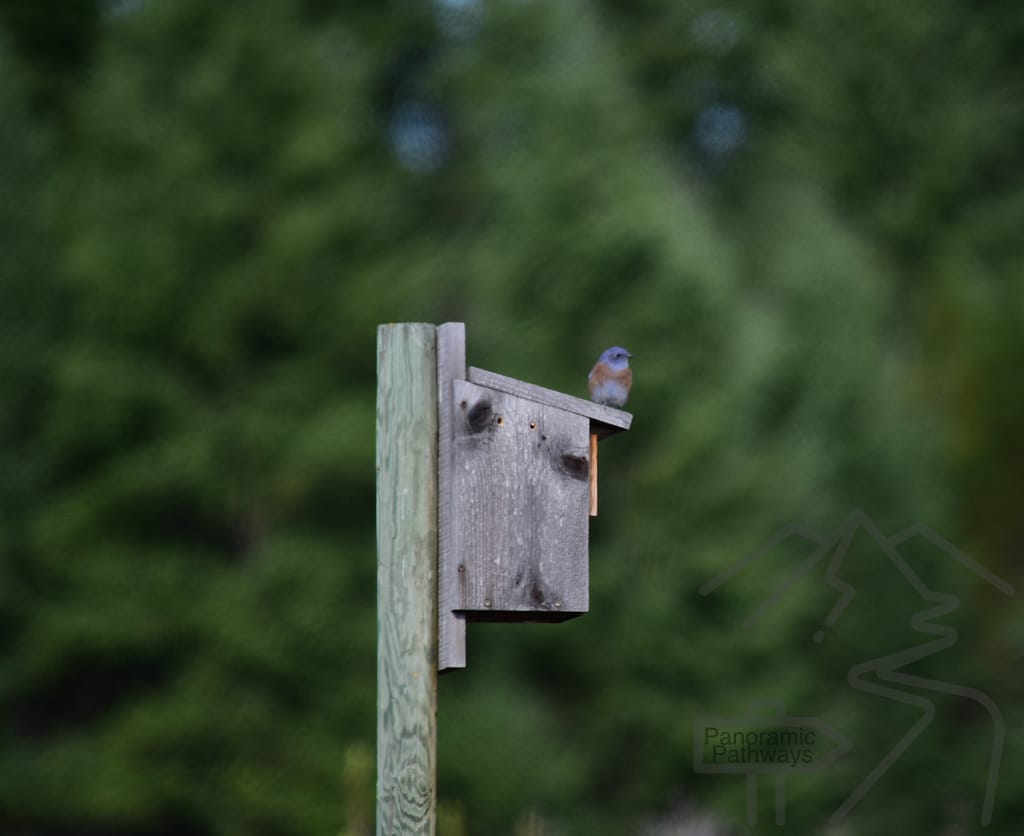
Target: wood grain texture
(521,490)
(406,579)
(605,419)
(451,625)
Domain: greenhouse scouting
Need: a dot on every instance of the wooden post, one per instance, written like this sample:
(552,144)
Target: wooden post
(406,579)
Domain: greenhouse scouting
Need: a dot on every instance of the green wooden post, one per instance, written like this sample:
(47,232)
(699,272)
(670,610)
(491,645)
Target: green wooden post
(406,579)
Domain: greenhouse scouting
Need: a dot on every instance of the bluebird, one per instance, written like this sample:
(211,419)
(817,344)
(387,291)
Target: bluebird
(611,378)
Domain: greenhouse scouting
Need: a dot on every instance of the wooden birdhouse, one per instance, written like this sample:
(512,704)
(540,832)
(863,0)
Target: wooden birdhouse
(517,474)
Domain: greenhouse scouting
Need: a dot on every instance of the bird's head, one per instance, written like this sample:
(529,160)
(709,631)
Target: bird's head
(616,357)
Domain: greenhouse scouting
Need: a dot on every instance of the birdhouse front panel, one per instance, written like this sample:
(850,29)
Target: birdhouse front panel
(521,498)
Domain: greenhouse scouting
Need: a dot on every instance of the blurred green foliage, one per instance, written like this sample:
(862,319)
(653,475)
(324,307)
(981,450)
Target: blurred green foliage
(803,220)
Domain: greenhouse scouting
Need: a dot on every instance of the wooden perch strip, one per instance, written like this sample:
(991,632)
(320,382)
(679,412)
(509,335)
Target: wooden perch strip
(593,474)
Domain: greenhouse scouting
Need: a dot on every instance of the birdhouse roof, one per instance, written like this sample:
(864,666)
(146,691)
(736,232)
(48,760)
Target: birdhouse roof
(604,420)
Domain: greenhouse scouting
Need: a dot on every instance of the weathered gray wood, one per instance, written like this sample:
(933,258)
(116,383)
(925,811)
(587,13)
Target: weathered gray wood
(451,625)
(521,500)
(406,579)
(605,419)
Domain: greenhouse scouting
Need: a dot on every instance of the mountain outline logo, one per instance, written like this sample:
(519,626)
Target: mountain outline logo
(887,678)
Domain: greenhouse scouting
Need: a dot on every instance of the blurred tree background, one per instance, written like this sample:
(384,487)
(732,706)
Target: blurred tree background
(802,219)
